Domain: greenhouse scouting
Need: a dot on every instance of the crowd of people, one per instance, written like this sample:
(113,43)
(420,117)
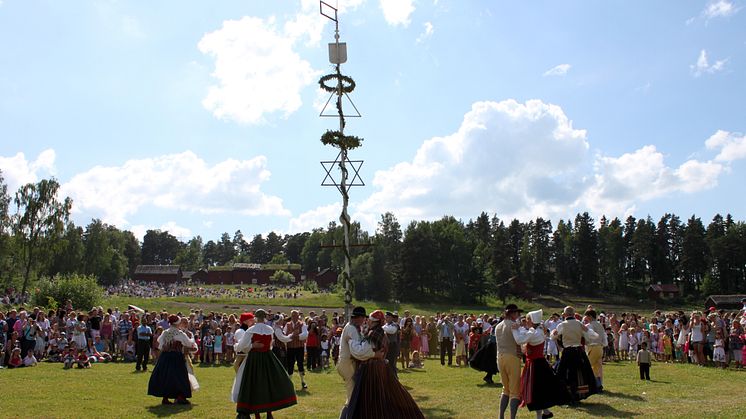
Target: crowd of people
(154,289)
(316,340)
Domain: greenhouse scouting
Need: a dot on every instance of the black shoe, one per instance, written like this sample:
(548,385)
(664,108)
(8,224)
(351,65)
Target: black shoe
(547,416)
(183,401)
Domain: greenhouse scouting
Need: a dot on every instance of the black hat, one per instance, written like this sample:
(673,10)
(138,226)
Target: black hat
(512,308)
(359,312)
(388,313)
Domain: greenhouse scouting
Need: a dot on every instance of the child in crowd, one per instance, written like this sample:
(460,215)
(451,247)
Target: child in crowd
(633,342)
(228,346)
(129,352)
(718,354)
(735,346)
(15,359)
(643,361)
(335,344)
(416,360)
(474,337)
(68,357)
(667,346)
(30,360)
(743,349)
(83,361)
(324,351)
(208,341)
(218,346)
(624,342)
(653,337)
(609,352)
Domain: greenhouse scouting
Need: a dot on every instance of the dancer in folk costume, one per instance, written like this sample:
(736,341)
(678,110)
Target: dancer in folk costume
(262,383)
(574,368)
(594,348)
(509,361)
(170,377)
(485,358)
(540,387)
(298,331)
(377,393)
(352,349)
(246,320)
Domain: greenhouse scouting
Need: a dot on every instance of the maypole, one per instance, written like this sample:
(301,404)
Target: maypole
(338,139)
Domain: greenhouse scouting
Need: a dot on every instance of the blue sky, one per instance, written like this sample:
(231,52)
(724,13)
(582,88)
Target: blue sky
(202,117)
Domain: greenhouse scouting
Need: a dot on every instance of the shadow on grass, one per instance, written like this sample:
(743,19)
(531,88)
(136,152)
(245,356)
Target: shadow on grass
(163,411)
(433,412)
(622,396)
(602,410)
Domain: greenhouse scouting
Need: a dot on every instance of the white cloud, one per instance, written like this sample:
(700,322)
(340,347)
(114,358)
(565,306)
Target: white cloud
(18,171)
(315,218)
(181,182)
(703,66)
(257,68)
(511,157)
(427,33)
(182,233)
(621,182)
(732,145)
(719,8)
(558,70)
(397,12)
(526,160)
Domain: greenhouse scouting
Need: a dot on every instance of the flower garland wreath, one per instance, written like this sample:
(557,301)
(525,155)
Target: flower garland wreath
(337,139)
(348,85)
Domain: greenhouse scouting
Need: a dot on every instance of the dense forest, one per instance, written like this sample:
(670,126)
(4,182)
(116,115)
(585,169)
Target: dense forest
(443,259)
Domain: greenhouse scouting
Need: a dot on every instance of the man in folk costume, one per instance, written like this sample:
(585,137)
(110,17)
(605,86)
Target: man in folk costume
(574,368)
(540,387)
(352,348)
(262,383)
(594,348)
(246,320)
(508,359)
(170,378)
(298,331)
(377,393)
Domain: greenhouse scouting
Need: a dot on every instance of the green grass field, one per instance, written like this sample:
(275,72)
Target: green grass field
(116,391)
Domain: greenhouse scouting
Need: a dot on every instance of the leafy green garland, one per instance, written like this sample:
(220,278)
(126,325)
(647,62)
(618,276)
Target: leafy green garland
(348,85)
(337,139)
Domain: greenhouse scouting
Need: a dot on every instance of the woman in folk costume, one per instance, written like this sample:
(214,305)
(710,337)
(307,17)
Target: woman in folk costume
(170,378)
(540,387)
(485,358)
(262,383)
(574,368)
(377,393)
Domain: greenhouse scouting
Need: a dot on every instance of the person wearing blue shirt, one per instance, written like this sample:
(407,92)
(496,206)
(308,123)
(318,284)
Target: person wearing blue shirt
(142,350)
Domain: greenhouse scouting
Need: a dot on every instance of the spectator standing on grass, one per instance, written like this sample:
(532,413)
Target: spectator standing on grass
(391,330)
(124,329)
(142,348)
(643,361)
(446,334)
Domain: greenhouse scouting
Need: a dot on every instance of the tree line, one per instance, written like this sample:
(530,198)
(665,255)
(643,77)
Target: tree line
(443,259)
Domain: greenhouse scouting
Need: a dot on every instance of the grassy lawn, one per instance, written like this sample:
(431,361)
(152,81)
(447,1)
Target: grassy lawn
(116,391)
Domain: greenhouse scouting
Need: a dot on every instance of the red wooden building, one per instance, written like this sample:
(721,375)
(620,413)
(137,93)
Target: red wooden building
(158,273)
